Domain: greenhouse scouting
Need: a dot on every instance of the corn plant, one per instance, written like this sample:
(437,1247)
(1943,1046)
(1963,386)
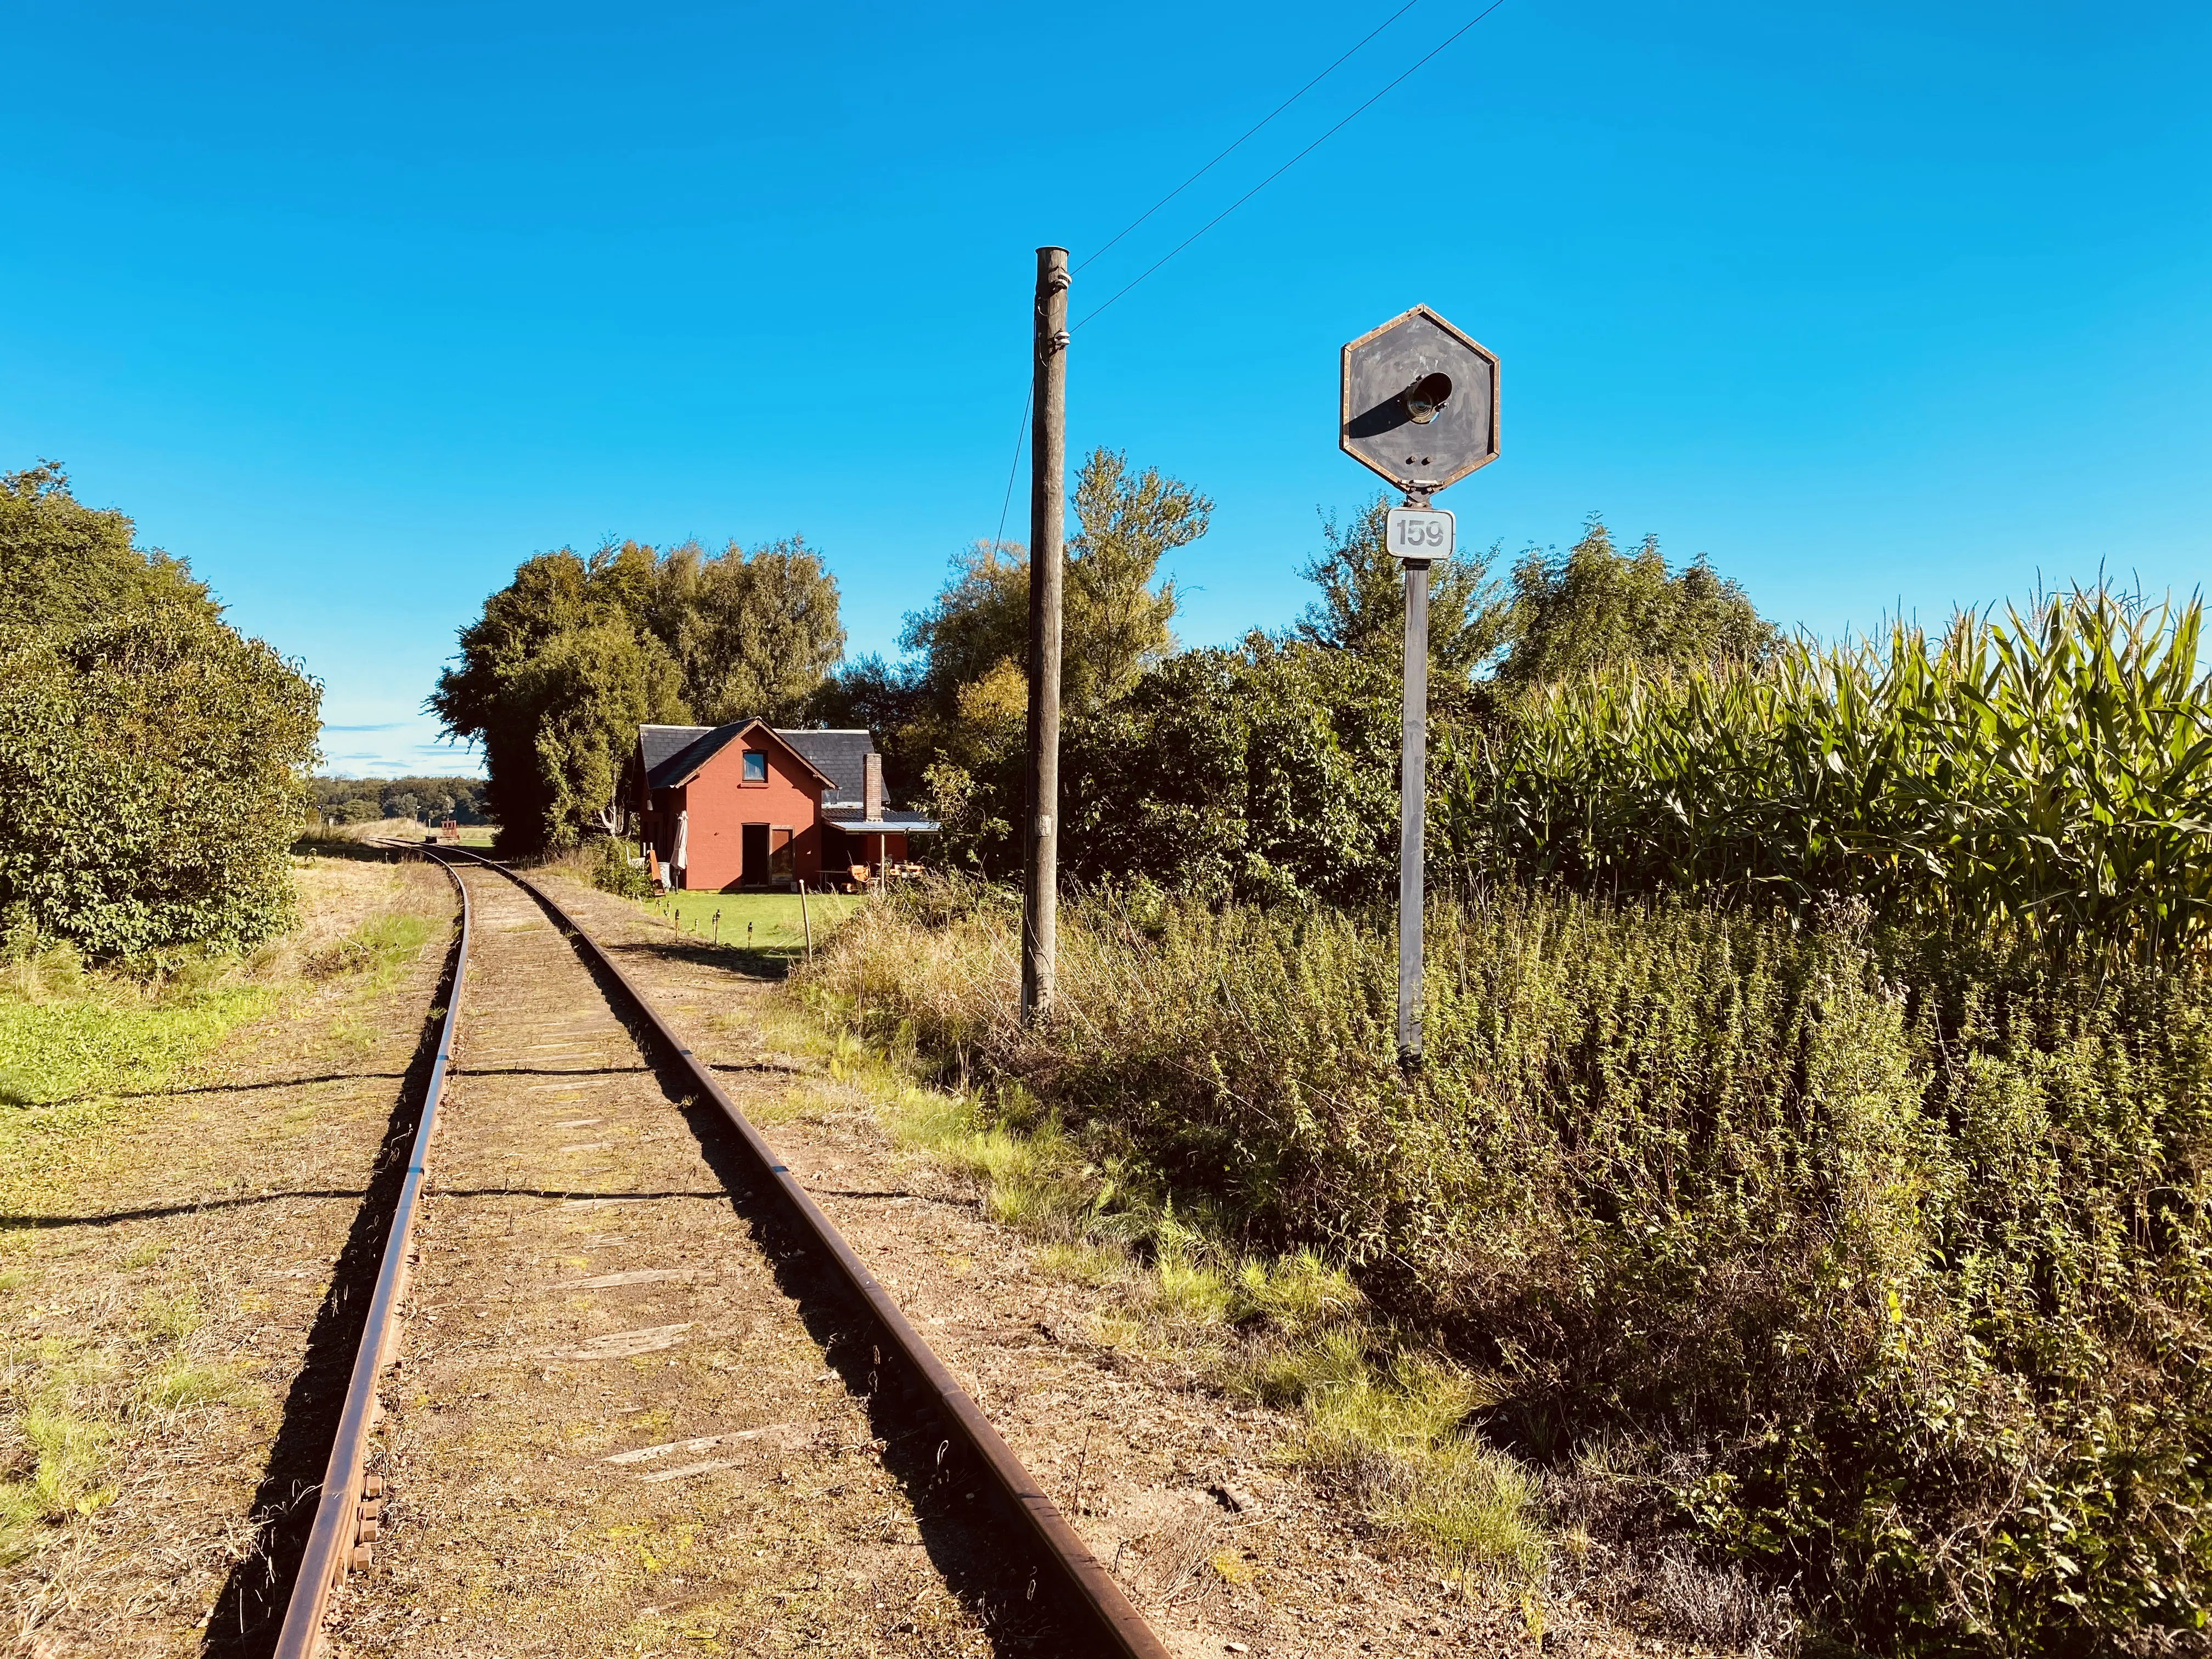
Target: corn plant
(2053,770)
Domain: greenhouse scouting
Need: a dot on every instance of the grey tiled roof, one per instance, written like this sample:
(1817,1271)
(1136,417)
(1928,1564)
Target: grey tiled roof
(674,752)
(842,756)
(660,742)
(849,817)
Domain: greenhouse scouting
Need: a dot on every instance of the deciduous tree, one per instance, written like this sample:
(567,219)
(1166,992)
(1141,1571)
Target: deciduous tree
(980,618)
(754,633)
(1118,611)
(1362,603)
(64,565)
(573,655)
(559,660)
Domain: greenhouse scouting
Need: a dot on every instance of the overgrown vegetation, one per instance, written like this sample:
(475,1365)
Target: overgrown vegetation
(1885,1246)
(1264,770)
(612,871)
(150,757)
(1806,1184)
(1384,1427)
(2051,770)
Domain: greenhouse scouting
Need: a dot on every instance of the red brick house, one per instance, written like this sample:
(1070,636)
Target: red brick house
(747,805)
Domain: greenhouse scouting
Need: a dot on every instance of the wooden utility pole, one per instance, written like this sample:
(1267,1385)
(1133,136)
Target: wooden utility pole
(1048,512)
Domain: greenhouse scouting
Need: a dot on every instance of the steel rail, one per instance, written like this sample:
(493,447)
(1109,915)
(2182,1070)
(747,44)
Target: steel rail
(338,1533)
(1093,1587)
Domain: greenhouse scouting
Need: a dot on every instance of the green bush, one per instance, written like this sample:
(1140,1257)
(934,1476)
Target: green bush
(150,783)
(613,873)
(1894,1242)
(65,566)
(1268,771)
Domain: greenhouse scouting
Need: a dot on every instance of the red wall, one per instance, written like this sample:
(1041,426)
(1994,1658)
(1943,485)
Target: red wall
(721,803)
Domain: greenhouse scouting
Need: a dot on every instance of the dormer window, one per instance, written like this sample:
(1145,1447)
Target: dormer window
(756,766)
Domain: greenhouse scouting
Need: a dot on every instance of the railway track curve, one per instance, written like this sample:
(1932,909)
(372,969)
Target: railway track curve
(566,1127)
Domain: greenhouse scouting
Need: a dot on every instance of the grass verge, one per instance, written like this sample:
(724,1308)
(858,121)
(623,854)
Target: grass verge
(1886,1242)
(1384,1427)
(100,1356)
(771,931)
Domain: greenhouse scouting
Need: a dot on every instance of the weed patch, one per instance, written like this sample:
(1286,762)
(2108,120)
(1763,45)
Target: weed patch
(1389,1435)
(1886,1240)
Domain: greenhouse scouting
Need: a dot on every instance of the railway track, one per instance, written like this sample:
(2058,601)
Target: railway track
(621,1380)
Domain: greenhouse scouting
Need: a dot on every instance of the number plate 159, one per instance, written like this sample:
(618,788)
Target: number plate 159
(1419,532)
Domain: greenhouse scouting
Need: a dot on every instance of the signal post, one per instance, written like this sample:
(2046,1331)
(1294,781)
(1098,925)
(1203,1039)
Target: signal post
(1420,406)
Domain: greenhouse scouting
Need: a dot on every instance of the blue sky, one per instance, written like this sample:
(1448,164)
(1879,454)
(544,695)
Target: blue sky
(1880,305)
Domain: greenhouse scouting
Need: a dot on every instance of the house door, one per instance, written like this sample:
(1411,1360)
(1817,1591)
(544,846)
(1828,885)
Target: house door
(753,849)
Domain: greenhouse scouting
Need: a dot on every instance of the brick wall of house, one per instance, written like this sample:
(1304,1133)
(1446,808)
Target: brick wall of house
(721,803)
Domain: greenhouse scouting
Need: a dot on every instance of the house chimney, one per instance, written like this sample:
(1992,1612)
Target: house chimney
(872,788)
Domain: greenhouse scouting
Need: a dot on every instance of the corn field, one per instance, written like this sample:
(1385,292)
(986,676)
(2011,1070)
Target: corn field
(2051,769)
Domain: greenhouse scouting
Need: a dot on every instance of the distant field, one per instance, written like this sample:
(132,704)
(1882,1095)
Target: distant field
(406,829)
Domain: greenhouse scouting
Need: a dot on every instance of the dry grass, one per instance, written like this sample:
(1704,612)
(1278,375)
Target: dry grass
(130,1347)
(407,829)
(1384,1430)
(79,1045)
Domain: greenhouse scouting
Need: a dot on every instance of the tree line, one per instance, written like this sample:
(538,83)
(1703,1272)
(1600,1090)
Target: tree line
(568,660)
(365,800)
(1264,770)
(1267,769)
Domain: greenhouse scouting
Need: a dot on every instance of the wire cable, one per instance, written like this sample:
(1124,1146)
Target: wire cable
(1287,165)
(1248,132)
(1020,438)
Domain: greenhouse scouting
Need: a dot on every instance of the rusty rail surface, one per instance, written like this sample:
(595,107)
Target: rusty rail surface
(1093,1588)
(343,1523)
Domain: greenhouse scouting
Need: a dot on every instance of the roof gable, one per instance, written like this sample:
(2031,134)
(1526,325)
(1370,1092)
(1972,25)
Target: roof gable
(684,749)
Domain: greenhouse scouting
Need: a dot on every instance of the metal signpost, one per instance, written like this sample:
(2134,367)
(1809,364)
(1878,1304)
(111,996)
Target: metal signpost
(1420,408)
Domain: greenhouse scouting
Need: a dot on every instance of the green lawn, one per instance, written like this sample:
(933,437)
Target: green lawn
(773,918)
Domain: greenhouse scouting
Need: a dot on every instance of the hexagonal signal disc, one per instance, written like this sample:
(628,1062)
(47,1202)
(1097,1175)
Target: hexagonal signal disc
(1421,401)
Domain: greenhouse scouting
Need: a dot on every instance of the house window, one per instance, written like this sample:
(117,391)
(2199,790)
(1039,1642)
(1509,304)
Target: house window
(755,767)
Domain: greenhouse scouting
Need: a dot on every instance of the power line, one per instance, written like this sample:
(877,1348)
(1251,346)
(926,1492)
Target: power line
(1288,165)
(1253,128)
(1006,506)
